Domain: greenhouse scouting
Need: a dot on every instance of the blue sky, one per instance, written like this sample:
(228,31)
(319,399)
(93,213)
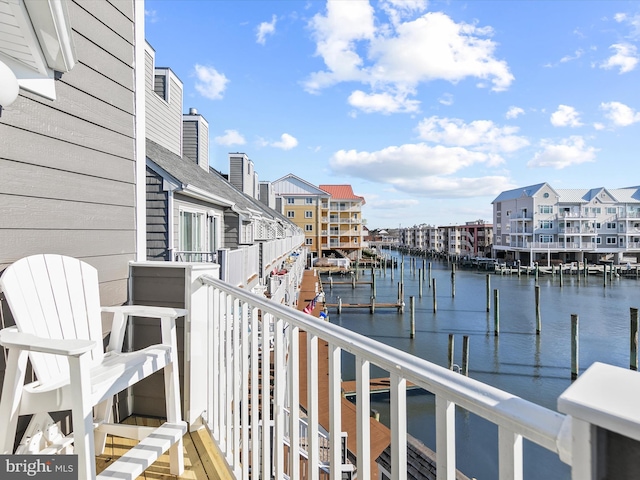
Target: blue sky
(428,109)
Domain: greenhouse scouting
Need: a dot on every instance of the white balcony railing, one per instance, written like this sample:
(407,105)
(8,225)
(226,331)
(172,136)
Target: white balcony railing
(240,338)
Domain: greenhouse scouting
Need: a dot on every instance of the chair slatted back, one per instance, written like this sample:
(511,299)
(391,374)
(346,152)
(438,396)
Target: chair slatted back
(55,297)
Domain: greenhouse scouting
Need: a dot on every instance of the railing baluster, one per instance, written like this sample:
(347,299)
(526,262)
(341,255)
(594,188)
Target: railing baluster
(222,377)
(445,438)
(235,404)
(398,427)
(229,379)
(265,406)
(312,407)
(255,394)
(245,378)
(214,333)
(278,398)
(509,454)
(363,411)
(335,412)
(294,401)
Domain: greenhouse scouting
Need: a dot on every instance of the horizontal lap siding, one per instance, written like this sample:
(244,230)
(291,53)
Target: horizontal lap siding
(67,166)
(157,228)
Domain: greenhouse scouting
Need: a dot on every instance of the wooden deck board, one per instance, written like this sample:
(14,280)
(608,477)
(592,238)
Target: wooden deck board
(202,459)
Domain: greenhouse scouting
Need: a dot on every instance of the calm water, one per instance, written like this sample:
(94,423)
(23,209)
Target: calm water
(536,368)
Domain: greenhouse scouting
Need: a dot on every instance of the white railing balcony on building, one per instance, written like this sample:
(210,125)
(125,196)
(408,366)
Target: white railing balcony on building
(237,338)
(188,256)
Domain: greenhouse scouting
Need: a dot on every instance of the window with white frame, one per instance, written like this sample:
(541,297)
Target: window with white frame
(308,241)
(308,214)
(596,210)
(308,201)
(308,227)
(291,200)
(546,224)
(546,208)
(192,231)
(598,225)
(291,214)
(612,210)
(621,241)
(596,240)
(546,238)
(611,225)
(612,240)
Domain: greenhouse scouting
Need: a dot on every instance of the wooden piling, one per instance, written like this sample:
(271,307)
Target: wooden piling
(420,283)
(339,305)
(453,280)
(450,351)
(496,312)
(373,283)
(412,308)
(538,318)
(465,355)
(574,346)
(537,273)
(633,344)
(561,275)
(330,281)
(488,292)
(372,309)
(435,301)
(604,275)
(429,283)
(518,268)
(353,281)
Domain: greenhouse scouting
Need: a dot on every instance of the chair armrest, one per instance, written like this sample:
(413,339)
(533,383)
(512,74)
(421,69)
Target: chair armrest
(146,311)
(12,338)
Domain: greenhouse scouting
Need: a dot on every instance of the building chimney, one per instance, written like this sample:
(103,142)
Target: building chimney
(193,111)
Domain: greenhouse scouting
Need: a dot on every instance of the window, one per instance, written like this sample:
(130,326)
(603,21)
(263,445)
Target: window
(597,240)
(546,238)
(612,240)
(291,200)
(612,210)
(598,225)
(611,225)
(546,195)
(546,224)
(308,201)
(621,241)
(308,214)
(192,231)
(291,214)
(308,227)
(508,213)
(596,210)
(308,241)
(546,208)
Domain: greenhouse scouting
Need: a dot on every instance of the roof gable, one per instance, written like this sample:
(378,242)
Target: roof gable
(293,185)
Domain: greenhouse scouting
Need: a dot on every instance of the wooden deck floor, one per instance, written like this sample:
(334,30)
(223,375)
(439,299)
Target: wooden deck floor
(202,459)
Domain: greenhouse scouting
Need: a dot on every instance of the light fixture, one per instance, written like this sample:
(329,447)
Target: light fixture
(9,87)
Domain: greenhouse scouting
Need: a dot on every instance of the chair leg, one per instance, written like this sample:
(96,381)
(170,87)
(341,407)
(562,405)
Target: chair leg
(172,394)
(82,412)
(102,414)
(11,395)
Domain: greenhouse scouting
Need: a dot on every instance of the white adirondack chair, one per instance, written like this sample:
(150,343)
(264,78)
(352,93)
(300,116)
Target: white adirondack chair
(55,303)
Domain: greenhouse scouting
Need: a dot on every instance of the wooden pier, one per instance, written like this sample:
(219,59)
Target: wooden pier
(376,385)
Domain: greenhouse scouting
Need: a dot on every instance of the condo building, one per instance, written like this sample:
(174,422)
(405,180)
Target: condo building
(541,224)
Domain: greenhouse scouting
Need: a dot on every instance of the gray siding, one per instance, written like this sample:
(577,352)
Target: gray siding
(157,226)
(190,146)
(231,230)
(164,117)
(68,165)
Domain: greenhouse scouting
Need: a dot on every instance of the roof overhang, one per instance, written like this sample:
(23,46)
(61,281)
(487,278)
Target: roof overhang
(36,42)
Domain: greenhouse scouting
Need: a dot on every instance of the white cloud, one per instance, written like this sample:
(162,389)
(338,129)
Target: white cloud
(394,59)
(620,114)
(399,9)
(391,204)
(576,55)
(151,16)
(633,21)
(565,116)
(287,142)
(382,102)
(446,99)
(230,137)
(570,151)
(482,135)
(514,112)
(211,83)
(625,58)
(598,126)
(421,170)
(264,29)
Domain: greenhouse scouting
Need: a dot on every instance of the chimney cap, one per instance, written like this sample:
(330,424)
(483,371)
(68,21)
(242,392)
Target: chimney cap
(193,111)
